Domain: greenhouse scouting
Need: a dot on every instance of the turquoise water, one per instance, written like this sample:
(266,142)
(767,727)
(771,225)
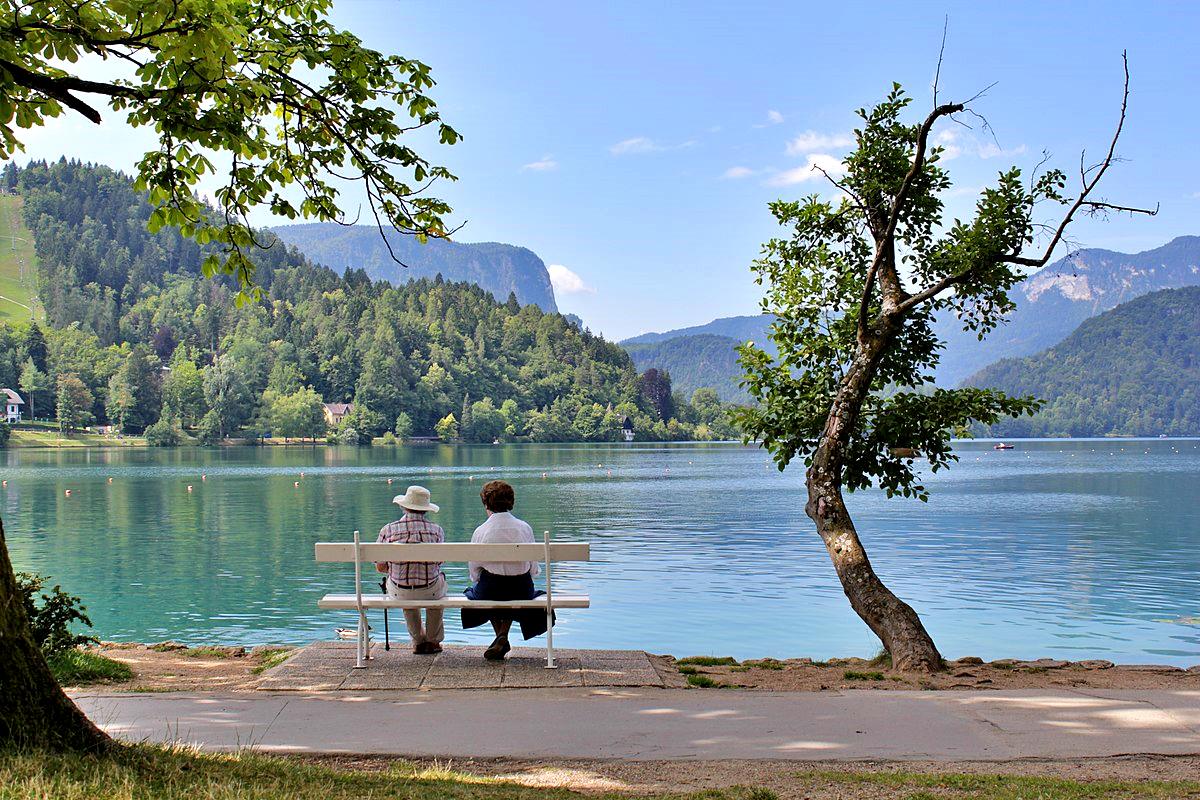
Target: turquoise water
(1068,549)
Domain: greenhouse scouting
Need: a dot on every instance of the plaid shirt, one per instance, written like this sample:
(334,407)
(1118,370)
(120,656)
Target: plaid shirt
(412,529)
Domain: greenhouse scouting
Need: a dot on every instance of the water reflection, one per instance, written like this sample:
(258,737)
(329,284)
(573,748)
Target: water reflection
(1056,548)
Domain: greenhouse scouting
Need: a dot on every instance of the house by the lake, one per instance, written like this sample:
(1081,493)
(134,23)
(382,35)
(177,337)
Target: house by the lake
(336,412)
(12,406)
(627,429)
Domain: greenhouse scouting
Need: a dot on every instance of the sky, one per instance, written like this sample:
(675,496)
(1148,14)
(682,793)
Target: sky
(635,146)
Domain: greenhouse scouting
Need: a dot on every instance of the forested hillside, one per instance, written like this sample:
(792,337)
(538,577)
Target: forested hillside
(499,268)
(428,356)
(1131,371)
(1055,300)
(695,362)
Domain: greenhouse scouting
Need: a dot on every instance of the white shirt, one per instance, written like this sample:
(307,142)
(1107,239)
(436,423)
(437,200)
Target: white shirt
(503,528)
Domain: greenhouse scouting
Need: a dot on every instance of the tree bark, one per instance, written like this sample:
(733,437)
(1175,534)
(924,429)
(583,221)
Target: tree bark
(34,711)
(893,621)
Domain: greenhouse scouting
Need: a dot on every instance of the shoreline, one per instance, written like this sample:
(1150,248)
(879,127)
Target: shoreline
(170,666)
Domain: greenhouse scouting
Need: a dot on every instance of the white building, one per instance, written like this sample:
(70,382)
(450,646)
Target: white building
(627,428)
(12,406)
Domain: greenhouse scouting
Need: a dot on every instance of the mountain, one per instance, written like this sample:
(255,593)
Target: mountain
(742,329)
(498,268)
(1134,370)
(1054,301)
(695,361)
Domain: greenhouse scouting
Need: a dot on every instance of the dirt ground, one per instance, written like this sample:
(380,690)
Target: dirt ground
(167,666)
(170,667)
(805,675)
(787,779)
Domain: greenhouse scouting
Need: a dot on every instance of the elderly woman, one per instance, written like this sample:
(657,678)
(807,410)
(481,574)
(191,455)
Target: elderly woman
(503,580)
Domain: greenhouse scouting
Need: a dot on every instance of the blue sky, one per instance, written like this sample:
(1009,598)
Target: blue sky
(635,146)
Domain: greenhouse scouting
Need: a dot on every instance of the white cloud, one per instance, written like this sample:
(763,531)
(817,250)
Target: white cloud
(643,144)
(638,144)
(993,150)
(812,141)
(565,281)
(948,141)
(545,164)
(809,171)
(774,117)
(734,173)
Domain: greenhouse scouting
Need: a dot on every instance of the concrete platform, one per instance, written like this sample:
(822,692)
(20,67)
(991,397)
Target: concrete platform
(329,666)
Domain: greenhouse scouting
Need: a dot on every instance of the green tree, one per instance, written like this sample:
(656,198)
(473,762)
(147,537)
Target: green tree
(447,428)
(120,401)
(300,414)
(273,92)
(854,284)
(487,423)
(33,380)
(227,397)
(73,405)
(183,389)
(404,426)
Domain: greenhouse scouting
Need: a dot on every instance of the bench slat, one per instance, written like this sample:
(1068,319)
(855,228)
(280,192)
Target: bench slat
(347,601)
(343,552)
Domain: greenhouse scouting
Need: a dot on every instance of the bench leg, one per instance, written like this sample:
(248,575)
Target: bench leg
(550,640)
(361,649)
(387,637)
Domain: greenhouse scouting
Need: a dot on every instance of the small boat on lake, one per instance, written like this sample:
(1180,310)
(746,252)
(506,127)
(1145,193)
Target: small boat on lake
(1003,446)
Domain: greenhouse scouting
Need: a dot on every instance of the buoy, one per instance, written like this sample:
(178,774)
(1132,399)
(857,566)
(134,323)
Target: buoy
(297,483)
(301,474)
(389,481)
(202,477)
(471,478)
(67,492)
(189,487)
(6,482)
(543,474)
(109,480)
(610,473)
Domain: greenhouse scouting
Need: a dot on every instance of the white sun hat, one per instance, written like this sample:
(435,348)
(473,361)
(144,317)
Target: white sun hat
(416,498)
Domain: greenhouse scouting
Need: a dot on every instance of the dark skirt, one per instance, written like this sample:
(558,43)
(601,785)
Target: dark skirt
(505,587)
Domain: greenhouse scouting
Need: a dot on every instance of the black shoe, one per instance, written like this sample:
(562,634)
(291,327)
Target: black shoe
(497,650)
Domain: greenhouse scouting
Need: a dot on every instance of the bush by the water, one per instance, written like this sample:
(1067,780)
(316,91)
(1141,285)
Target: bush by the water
(164,433)
(51,614)
(5,433)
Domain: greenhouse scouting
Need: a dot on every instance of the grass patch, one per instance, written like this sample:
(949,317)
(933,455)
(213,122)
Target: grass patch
(740,668)
(687,669)
(45,437)
(709,661)
(853,675)
(83,667)
(701,681)
(269,659)
(166,773)
(767,663)
(1006,787)
(18,265)
(882,659)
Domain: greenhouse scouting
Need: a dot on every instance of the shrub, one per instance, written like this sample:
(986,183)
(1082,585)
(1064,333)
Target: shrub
(851,675)
(702,681)
(164,433)
(388,438)
(209,429)
(51,618)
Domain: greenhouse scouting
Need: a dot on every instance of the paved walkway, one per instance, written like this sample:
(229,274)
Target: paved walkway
(327,666)
(650,723)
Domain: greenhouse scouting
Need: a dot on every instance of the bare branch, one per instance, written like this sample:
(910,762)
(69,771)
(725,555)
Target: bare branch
(1081,202)
(937,74)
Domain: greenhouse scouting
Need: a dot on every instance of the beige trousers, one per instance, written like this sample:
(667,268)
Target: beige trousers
(432,630)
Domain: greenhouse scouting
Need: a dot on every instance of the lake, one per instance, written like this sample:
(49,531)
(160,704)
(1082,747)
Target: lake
(1069,549)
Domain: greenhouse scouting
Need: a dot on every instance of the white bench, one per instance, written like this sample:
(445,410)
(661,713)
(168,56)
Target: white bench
(357,552)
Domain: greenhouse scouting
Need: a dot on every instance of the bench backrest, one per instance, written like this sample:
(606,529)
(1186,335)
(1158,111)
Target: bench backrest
(343,552)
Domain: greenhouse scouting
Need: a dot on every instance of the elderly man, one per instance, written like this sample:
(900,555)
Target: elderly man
(503,580)
(416,580)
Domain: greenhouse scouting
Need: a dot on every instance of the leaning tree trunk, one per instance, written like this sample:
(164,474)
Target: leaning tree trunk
(893,621)
(34,711)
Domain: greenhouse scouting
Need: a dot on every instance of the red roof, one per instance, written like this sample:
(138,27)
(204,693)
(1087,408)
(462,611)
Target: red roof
(339,409)
(14,398)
